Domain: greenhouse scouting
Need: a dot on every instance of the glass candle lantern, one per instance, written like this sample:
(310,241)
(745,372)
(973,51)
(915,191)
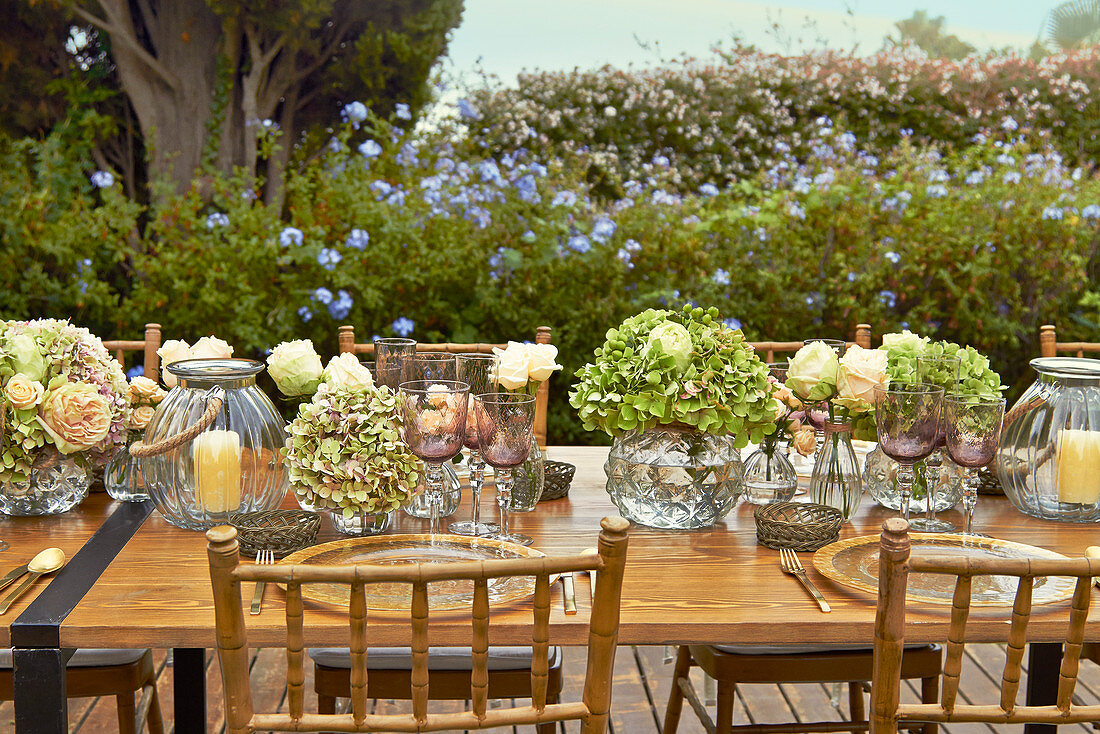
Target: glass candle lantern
(233,465)
(1049,457)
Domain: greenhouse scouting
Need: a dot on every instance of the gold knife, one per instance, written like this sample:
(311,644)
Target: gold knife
(12,575)
(569,593)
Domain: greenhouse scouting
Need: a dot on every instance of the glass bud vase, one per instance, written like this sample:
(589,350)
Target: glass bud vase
(122,477)
(769,476)
(836,480)
(529,480)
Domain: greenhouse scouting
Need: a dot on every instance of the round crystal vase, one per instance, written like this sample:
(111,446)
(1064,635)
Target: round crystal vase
(880,472)
(836,479)
(234,465)
(122,478)
(361,523)
(529,480)
(1048,460)
(673,477)
(769,476)
(418,505)
(56,483)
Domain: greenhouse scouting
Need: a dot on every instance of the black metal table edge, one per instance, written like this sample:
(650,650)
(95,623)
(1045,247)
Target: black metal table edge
(37,657)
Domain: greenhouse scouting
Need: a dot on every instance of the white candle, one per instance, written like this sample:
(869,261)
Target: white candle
(1078,466)
(217,457)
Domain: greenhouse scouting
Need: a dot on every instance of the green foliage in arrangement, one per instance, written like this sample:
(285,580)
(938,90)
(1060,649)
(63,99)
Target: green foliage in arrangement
(663,367)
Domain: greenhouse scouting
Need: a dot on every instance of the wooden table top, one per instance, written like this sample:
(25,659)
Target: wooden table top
(714,585)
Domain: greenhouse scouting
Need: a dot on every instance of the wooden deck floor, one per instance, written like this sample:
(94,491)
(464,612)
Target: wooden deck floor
(642,681)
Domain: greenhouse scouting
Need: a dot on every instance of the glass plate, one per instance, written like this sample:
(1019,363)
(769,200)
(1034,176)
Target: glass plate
(854,562)
(392,550)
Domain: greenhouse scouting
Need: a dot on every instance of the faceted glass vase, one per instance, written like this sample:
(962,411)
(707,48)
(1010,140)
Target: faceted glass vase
(529,480)
(57,483)
(673,478)
(361,523)
(769,477)
(880,472)
(122,478)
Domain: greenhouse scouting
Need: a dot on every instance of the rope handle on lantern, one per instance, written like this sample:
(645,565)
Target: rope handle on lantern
(215,398)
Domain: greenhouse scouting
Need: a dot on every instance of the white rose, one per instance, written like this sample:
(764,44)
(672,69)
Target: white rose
(211,347)
(345,372)
(171,351)
(510,368)
(812,372)
(860,370)
(541,361)
(295,367)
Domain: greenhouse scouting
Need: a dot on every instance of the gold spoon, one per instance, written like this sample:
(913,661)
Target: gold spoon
(46,561)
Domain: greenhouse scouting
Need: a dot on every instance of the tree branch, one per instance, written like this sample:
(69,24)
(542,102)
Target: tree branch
(130,41)
(326,53)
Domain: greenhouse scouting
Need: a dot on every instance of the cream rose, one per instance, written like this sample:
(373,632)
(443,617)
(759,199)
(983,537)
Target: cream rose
(23,392)
(295,367)
(812,372)
(171,351)
(511,366)
(345,372)
(142,388)
(140,417)
(211,347)
(541,361)
(75,416)
(804,441)
(860,370)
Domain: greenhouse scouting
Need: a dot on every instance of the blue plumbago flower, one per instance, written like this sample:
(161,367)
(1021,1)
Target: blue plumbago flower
(661,161)
(1092,211)
(708,189)
(938,176)
(103,179)
(341,307)
(889,204)
(508,161)
(812,298)
(825,178)
(381,188)
(407,156)
(479,216)
(359,239)
(370,149)
(538,169)
(624,255)
(490,171)
(445,164)
(334,145)
(322,295)
(906,132)
(867,159)
(135,371)
(732,323)
(467,110)
(496,264)
(888,298)
(564,198)
(781,147)
(603,229)
(248,195)
(1053,212)
(403,326)
(721,277)
(660,196)
(801,185)
(327,258)
(290,236)
(905,197)
(354,112)
(846,141)
(83,265)
(823,121)
(632,188)
(893,257)
(852,277)
(824,152)
(217,219)
(761,234)
(936,191)
(632,245)
(750,211)
(396,197)
(305,314)
(528,236)
(401,110)
(974,178)
(528,189)
(795,210)
(1006,160)
(579,243)
(978,139)
(1011,177)
(1009,125)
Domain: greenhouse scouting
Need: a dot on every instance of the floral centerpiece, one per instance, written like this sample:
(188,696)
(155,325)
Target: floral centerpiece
(680,393)
(64,402)
(176,350)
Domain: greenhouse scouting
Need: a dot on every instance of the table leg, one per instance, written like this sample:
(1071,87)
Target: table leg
(1043,661)
(189,689)
(39,688)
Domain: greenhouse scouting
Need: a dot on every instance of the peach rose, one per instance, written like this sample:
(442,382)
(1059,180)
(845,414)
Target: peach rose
(211,347)
(76,417)
(860,370)
(142,388)
(171,351)
(141,416)
(804,442)
(23,392)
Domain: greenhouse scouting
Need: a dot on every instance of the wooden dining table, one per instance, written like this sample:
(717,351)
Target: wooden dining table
(135,581)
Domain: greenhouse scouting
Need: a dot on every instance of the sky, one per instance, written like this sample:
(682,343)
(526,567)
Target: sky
(507,36)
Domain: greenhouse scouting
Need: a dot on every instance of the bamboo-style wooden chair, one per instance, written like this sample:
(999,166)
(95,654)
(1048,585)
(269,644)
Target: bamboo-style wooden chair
(768,349)
(118,673)
(895,565)
(1049,346)
(346,336)
(226,575)
(148,346)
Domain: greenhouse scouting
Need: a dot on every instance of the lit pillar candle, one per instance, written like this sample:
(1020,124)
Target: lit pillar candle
(218,471)
(1079,466)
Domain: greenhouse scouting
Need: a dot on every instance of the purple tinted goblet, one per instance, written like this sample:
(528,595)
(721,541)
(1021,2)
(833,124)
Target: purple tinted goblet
(504,425)
(973,434)
(433,418)
(907,418)
(474,369)
(942,370)
(429,366)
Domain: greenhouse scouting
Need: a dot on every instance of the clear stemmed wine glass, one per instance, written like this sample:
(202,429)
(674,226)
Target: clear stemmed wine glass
(837,345)
(388,355)
(433,418)
(429,366)
(907,418)
(475,369)
(942,370)
(504,425)
(973,433)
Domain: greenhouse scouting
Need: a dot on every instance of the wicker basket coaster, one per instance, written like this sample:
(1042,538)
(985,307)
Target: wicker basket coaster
(279,531)
(558,476)
(988,482)
(798,526)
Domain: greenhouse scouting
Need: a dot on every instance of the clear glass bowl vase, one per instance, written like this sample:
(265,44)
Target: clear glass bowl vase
(880,472)
(57,483)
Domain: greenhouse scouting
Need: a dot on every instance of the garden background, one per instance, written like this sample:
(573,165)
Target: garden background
(926,186)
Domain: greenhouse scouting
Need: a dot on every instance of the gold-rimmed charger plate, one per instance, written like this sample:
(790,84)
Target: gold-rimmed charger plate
(854,562)
(392,550)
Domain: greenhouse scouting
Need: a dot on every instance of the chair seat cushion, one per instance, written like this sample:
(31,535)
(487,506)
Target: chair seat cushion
(796,649)
(439,658)
(88,657)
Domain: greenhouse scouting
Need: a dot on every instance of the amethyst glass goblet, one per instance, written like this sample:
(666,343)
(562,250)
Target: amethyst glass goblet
(907,418)
(504,425)
(433,418)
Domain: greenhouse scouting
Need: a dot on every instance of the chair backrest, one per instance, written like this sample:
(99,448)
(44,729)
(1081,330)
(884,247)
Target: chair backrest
(593,711)
(895,565)
(767,350)
(149,345)
(348,345)
(1049,346)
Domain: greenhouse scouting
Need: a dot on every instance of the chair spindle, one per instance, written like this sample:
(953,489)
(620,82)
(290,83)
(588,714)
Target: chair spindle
(1075,638)
(295,673)
(956,642)
(479,675)
(419,676)
(1017,640)
(357,614)
(540,642)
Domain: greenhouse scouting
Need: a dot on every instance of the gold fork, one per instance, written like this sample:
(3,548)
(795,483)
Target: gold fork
(264,557)
(790,564)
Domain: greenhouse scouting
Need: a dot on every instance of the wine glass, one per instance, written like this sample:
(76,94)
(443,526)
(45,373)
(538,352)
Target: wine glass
(942,370)
(429,366)
(973,434)
(504,425)
(433,418)
(474,369)
(907,418)
(388,355)
(837,345)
